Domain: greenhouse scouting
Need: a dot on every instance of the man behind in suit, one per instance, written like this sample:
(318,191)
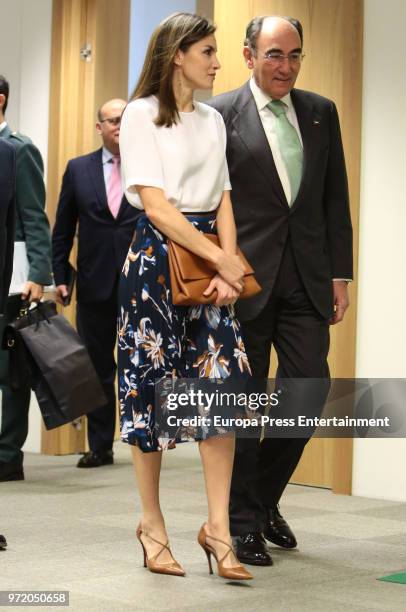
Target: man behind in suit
(7,212)
(32,237)
(290,200)
(92,199)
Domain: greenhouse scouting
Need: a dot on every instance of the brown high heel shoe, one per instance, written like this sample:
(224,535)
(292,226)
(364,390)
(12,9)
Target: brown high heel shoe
(231,573)
(173,567)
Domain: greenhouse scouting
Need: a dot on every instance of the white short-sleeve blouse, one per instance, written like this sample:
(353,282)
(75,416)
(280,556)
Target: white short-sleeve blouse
(187,161)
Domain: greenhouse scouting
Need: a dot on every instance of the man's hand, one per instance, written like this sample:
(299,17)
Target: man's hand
(341,300)
(32,292)
(61,294)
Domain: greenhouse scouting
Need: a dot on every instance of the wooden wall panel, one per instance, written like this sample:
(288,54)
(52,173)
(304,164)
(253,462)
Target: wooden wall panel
(333,68)
(66,124)
(78,89)
(108,29)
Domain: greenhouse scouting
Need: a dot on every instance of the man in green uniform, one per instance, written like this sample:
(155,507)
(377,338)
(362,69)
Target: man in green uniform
(32,270)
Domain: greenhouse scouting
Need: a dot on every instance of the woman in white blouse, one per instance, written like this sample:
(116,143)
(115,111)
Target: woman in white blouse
(174,169)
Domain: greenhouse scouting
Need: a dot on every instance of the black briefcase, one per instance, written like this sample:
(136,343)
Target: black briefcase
(47,350)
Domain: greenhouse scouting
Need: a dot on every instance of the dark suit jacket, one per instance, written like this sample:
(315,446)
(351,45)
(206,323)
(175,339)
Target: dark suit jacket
(318,222)
(32,226)
(103,240)
(7,217)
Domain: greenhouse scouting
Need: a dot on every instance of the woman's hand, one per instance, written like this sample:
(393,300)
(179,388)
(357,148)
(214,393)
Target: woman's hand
(226,294)
(231,268)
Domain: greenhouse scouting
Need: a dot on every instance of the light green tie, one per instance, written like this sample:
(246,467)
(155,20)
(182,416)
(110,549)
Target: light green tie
(290,146)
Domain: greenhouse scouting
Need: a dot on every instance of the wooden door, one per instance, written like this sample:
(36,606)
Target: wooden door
(89,65)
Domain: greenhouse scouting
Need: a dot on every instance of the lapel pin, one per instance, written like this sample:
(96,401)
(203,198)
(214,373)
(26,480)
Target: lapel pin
(315,122)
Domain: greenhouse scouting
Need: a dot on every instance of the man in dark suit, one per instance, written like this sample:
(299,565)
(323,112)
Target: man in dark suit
(32,270)
(91,198)
(290,200)
(7,219)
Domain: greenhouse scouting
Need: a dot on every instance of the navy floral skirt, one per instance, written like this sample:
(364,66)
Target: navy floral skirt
(157,340)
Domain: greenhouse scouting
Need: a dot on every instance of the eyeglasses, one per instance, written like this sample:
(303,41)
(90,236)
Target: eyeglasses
(111,120)
(274,57)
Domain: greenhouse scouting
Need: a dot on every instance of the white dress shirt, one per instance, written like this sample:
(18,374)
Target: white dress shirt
(268,121)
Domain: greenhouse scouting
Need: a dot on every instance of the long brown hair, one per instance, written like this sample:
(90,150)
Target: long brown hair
(177,32)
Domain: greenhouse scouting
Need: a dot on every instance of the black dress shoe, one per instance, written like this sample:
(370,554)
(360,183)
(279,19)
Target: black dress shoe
(3,542)
(11,471)
(278,531)
(93,459)
(251,548)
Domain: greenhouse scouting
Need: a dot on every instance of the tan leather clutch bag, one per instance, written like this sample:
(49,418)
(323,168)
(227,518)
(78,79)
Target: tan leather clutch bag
(191,274)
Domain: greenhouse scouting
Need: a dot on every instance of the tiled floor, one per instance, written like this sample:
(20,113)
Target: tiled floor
(74,530)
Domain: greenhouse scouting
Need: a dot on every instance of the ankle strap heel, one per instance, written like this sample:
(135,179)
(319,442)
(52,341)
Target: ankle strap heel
(238,572)
(173,567)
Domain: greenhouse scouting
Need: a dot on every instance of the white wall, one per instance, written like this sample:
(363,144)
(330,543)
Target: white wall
(25,59)
(145,16)
(10,54)
(379,465)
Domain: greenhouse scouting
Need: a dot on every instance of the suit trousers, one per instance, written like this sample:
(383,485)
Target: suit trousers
(97,326)
(14,404)
(300,336)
